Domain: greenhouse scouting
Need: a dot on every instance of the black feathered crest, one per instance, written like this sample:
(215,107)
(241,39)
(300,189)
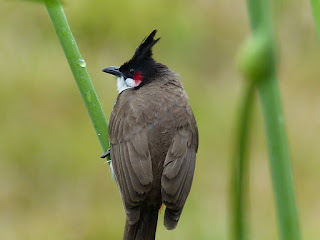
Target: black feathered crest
(145,48)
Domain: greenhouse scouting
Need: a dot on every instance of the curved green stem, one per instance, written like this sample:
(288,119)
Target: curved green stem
(279,159)
(274,122)
(80,73)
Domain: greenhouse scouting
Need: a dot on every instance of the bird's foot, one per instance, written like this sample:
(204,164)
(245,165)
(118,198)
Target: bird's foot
(106,154)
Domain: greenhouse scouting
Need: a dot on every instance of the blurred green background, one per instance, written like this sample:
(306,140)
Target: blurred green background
(53,185)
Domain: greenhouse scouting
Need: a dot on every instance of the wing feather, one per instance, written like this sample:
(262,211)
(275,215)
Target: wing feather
(178,173)
(141,165)
(130,157)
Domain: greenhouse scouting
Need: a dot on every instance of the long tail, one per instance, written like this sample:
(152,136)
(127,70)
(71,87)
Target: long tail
(145,228)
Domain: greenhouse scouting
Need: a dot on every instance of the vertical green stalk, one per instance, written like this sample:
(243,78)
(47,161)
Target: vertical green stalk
(315,4)
(279,159)
(259,67)
(240,167)
(78,68)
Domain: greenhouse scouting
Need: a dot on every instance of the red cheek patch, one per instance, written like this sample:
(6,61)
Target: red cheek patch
(137,77)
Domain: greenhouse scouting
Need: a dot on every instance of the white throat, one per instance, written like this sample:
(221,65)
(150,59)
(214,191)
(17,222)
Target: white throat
(125,84)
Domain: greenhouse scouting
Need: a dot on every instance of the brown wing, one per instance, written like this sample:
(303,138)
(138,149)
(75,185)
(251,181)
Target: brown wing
(178,169)
(130,156)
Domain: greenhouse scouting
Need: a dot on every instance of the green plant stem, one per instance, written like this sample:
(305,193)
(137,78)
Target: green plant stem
(80,73)
(279,159)
(240,167)
(315,4)
(275,127)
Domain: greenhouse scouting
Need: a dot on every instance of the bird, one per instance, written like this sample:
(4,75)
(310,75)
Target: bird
(153,142)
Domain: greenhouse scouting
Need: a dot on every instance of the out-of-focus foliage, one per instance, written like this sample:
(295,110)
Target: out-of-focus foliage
(53,185)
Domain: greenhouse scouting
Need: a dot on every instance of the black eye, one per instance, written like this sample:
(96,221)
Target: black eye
(131,72)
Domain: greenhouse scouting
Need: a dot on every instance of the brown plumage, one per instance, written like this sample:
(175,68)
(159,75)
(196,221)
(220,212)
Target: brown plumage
(153,141)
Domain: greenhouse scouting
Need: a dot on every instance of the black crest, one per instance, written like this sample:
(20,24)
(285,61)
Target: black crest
(145,48)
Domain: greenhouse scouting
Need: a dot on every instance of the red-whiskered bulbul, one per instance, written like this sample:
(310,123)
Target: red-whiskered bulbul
(153,142)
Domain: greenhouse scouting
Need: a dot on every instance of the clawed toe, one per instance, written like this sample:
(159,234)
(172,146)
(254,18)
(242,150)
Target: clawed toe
(106,154)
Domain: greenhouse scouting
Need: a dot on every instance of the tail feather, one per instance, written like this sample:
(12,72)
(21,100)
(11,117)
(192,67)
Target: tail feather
(145,228)
(171,218)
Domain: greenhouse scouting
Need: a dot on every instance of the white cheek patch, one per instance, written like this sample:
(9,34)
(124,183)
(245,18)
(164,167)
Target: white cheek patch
(121,85)
(125,84)
(130,82)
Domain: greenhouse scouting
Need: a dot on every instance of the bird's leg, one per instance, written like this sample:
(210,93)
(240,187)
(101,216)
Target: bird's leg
(106,154)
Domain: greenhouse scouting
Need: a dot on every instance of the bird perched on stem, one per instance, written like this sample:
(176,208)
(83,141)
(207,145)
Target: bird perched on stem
(153,142)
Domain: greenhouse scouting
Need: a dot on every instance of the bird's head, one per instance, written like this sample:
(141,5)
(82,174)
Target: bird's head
(139,69)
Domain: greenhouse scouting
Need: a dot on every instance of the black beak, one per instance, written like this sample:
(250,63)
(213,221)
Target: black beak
(113,70)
